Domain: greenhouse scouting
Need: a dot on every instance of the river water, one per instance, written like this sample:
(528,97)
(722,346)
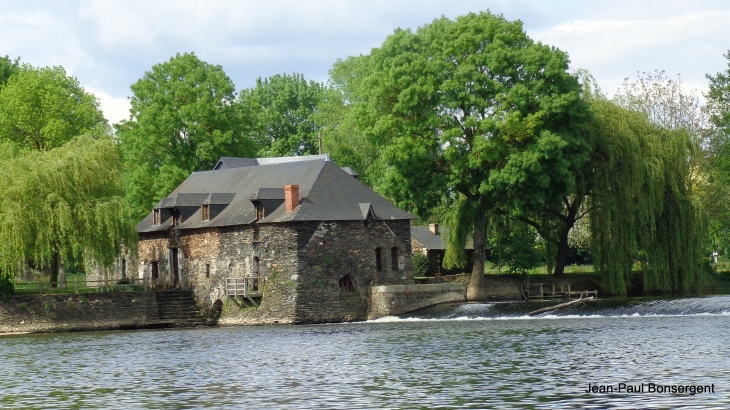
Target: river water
(449,356)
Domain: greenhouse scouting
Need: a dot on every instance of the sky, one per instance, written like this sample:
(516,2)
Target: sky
(108,44)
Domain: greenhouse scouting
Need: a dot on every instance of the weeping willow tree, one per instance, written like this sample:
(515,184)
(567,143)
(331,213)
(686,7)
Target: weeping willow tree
(64,204)
(642,206)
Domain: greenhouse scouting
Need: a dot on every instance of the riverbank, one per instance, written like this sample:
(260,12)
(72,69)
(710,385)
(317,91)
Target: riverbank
(141,310)
(66,312)
(511,287)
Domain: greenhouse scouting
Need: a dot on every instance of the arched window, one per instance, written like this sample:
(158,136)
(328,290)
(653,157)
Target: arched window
(394,258)
(346,284)
(378,259)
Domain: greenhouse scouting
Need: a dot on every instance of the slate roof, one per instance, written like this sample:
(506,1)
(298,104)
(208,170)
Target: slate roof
(432,241)
(326,193)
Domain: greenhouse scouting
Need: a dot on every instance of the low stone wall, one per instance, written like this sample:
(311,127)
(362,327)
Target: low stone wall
(399,299)
(95,311)
(509,287)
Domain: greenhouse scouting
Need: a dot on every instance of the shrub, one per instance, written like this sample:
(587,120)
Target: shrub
(7,289)
(420,265)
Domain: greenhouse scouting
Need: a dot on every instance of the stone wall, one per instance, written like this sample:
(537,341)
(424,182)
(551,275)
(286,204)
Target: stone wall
(236,257)
(399,299)
(154,247)
(508,287)
(93,311)
(330,251)
(301,265)
(126,265)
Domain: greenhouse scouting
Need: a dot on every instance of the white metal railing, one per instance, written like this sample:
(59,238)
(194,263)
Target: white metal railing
(243,287)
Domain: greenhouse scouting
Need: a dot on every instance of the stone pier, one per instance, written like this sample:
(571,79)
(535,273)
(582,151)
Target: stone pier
(399,299)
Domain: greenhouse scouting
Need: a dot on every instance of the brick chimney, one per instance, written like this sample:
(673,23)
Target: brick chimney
(434,228)
(291,197)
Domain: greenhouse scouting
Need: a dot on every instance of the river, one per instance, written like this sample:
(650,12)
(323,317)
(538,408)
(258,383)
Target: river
(451,356)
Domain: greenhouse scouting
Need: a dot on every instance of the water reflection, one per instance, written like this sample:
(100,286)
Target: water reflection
(455,356)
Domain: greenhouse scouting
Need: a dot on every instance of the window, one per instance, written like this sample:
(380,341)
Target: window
(257,273)
(124,268)
(394,258)
(156,217)
(256,233)
(176,217)
(378,259)
(207,270)
(155,270)
(259,210)
(346,284)
(205,212)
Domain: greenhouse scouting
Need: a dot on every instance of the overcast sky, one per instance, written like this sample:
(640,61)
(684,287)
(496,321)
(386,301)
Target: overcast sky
(108,44)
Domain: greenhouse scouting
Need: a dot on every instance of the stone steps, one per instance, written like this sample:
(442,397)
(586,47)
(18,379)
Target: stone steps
(179,306)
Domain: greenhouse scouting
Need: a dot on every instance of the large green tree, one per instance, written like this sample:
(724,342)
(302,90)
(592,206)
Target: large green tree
(717,179)
(182,120)
(63,204)
(471,112)
(43,108)
(8,67)
(642,207)
(282,110)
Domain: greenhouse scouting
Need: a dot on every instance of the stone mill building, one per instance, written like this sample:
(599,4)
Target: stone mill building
(289,240)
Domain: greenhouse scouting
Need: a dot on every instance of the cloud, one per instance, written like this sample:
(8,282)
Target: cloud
(115,109)
(690,44)
(109,44)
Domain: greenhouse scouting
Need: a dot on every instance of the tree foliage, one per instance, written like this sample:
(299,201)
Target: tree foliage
(66,201)
(642,207)
(43,108)
(182,120)
(471,112)
(716,182)
(515,244)
(282,111)
(8,67)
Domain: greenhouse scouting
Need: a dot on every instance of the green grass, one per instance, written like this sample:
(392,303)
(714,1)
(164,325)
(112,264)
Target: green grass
(542,270)
(33,287)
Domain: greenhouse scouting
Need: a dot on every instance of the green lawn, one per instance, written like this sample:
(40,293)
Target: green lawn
(74,283)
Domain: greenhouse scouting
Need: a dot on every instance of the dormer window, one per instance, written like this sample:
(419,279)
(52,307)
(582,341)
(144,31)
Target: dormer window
(205,212)
(259,210)
(176,217)
(156,217)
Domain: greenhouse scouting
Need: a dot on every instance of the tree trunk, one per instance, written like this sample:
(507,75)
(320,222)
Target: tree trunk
(568,223)
(562,254)
(55,259)
(61,273)
(475,290)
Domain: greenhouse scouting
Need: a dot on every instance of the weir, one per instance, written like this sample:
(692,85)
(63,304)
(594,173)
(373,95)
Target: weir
(597,308)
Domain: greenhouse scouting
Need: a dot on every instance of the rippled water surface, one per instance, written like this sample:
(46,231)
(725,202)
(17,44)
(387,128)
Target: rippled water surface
(452,356)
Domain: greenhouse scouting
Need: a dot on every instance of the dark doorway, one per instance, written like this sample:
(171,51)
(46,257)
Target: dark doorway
(175,268)
(256,274)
